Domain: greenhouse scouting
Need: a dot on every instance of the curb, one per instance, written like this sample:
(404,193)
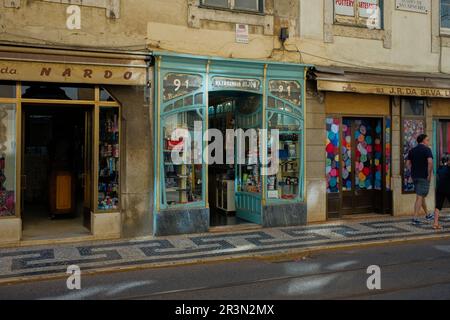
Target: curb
(270,256)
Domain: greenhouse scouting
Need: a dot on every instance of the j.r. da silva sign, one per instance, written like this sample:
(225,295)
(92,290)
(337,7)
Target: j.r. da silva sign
(422,6)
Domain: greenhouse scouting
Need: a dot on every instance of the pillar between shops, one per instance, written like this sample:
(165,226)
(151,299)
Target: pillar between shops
(10,230)
(106,225)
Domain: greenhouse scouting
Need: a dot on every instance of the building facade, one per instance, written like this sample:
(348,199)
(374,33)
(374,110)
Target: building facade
(349,84)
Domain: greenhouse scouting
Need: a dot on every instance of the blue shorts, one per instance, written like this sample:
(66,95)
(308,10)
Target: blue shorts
(422,187)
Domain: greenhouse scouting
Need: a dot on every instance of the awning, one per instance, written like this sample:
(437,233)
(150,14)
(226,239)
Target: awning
(72,66)
(382,82)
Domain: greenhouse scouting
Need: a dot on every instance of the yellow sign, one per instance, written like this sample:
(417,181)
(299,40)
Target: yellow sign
(383,89)
(71,73)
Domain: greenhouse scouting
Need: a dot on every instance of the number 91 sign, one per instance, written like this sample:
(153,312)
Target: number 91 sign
(179,84)
(288,90)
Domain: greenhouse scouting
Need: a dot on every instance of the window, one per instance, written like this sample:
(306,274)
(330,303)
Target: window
(245,5)
(413,124)
(445,15)
(361,13)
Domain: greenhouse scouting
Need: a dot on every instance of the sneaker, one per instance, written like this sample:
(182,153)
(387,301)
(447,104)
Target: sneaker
(416,222)
(429,217)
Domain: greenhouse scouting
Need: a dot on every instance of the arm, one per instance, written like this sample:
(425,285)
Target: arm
(430,168)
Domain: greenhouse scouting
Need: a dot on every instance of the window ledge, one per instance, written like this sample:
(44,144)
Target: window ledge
(197,13)
(342,30)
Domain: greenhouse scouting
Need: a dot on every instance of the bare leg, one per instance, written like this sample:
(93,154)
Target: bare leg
(417,206)
(424,206)
(436,217)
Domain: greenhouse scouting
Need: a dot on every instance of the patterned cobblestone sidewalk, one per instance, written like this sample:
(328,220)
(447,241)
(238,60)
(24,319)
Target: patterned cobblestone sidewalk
(20,264)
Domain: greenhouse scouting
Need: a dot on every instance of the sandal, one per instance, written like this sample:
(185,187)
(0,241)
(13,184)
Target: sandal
(437,227)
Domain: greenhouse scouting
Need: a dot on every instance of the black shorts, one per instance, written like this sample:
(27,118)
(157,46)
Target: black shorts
(440,199)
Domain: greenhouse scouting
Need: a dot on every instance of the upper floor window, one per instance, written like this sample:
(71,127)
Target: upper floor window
(361,13)
(244,5)
(445,16)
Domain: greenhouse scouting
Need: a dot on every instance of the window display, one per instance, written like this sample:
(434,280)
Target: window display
(182,173)
(7,159)
(332,153)
(285,184)
(109,165)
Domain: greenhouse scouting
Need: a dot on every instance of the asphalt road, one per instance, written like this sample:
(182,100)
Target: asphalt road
(409,271)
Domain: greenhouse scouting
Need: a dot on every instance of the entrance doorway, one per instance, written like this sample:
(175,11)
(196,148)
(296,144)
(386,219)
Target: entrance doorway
(357,181)
(443,144)
(234,190)
(56,171)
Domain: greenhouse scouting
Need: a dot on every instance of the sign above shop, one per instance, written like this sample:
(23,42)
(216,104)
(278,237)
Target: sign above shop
(324,85)
(241,33)
(236,83)
(71,73)
(421,6)
(179,84)
(288,90)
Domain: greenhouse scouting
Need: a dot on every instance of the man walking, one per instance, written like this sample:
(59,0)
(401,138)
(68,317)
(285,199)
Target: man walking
(420,161)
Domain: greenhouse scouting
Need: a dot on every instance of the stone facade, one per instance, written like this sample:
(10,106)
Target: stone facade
(408,42)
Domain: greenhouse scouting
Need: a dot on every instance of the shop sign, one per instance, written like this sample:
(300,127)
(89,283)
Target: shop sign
(345,7)
(241,33)
(236,83)
(71,73)
(421,6)
(179,84)
(288,90)
(383,89)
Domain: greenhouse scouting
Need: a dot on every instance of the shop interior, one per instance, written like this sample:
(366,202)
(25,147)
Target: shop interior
(56,150)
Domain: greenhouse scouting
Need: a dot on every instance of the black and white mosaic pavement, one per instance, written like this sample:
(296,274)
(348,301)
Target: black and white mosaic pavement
(111,255)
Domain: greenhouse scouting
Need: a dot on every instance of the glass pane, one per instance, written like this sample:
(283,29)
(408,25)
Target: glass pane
(7,89)
(347,156)
(183,174)
(344,7)
(388,153)
(369,13)
(332,153)
(285,184)
(216,3)
(411,130)
(413,107)
(109,164)
(378,155)
(363,155)
(445,14)
(52,91)
(246,4)
(7,159)
(283,122)
(105,96)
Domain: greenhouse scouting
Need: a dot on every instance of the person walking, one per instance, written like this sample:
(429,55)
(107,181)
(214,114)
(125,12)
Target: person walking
(420,162)
(442,189)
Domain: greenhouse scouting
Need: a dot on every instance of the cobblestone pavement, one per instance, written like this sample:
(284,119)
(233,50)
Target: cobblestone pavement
(17,264)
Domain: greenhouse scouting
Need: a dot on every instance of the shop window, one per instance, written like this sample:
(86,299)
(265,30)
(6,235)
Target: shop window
(286,183)
(388,149)
(7,159)
(104,95)
(56,92)
(445,16)
(109,165)
(183,174)
(244,5)
(332,155)
(347,155)
(413,124)
(361,13)
(7,89)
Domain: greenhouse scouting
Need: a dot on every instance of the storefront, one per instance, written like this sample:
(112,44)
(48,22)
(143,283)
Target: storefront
(372,120)
(202,94)
(61,142)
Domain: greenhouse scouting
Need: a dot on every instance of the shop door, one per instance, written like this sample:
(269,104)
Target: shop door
(362,169)
(88,165)
(443,143)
